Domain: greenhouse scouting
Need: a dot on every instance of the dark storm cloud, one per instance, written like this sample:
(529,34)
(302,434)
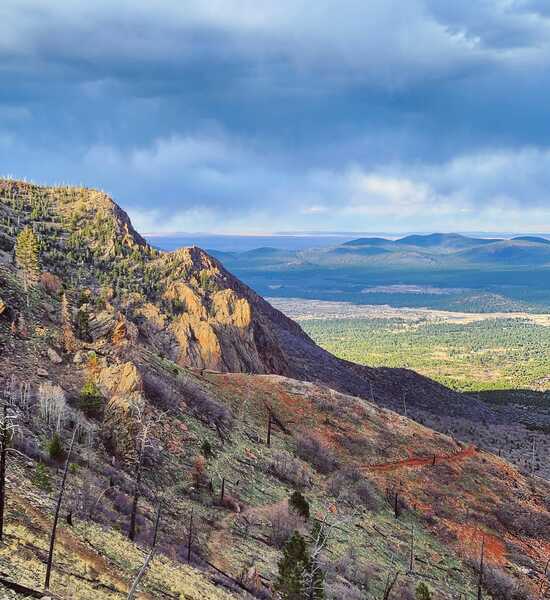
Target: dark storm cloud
(284,115)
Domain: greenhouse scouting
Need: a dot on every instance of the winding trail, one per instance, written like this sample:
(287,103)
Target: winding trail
(421,461)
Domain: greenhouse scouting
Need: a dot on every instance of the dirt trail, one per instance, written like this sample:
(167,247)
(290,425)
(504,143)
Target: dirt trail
(421,461)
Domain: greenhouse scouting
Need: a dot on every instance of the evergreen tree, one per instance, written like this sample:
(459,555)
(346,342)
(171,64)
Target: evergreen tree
(27,255)
(299,504)
(297,580)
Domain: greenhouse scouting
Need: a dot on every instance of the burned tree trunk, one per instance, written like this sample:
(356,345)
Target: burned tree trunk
(481,568)
(190,537)
(411,557)
(4,439)
(142,571)
(269,430)
(57,510)
(137,487)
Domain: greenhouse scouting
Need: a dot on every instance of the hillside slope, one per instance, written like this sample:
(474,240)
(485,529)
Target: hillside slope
(170,350)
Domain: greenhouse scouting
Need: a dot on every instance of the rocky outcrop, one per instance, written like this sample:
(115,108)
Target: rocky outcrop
(122,385)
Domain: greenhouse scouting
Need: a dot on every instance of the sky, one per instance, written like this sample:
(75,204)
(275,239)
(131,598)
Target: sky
(285,115)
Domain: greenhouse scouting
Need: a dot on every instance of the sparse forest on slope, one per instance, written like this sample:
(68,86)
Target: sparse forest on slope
(181,388)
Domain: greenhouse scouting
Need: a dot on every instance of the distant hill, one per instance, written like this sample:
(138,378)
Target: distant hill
(510,252)
(447,240)
(371,241)
(531,238)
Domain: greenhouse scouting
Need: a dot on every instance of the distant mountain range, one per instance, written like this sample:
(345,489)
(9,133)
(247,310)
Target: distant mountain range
(436,249)
(487,273)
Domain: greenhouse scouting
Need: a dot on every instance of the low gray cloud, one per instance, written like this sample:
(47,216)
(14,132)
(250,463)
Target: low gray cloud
(242,115)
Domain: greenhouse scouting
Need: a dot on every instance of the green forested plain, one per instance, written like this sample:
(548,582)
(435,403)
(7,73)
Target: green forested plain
(484,355)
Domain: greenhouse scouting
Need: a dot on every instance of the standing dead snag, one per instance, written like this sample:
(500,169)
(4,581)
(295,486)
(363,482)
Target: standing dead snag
(411,556)
(390,583)
(481,567)
(273,420)
(57,510)
(137,487)
(142,442)
(269,421)
(313,576)
(141,573)
(6,428)
(190,537)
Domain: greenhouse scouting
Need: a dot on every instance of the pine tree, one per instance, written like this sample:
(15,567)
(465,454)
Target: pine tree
(27,255)
(295,562)
(297,579)
(299,504)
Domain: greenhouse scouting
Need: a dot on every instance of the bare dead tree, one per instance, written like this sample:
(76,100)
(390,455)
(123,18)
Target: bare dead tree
(143,570)
(481,568)
(533,457)
(411,554)
(269,430)
(7,425)
(312,575)
(190,537)
(142,442)
(57,510)
(390,584)
(137,489)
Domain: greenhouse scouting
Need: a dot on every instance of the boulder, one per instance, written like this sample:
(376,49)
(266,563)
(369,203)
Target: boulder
(42,372)
(54,356)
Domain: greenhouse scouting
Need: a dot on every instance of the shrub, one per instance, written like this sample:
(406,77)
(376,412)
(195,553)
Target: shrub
(317,454)
(41,478)
(502,586)
(299,504)
(206,449)
(122,503)
(342,481)
(343,591)
(423,592)
(282,523)
(50,283)
(352,568)
(55,447)
(90,400)
(287,468)
(368,495)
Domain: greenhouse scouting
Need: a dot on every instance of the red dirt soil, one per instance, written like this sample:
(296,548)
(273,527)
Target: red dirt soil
(421,461)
